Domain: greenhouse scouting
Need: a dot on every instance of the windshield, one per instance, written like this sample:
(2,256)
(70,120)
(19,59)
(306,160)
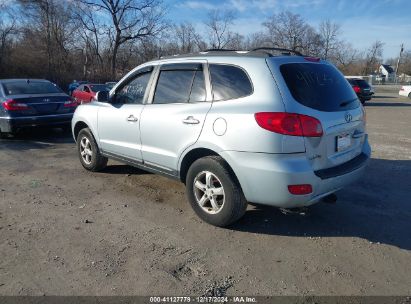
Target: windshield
(319,86)
(98,87)
(30,87)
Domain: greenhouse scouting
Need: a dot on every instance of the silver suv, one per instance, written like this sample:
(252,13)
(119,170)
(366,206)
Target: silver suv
(234,127)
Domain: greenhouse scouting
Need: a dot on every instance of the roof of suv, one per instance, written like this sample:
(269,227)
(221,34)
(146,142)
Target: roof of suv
(256,53)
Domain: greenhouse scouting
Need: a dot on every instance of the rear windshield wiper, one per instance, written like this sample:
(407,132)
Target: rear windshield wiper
(344,103)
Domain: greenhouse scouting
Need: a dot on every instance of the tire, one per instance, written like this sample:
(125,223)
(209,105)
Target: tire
(89,153)
(207,176)
(409,95)
(362,101)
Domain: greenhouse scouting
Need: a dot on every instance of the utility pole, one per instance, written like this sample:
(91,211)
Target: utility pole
(398,62)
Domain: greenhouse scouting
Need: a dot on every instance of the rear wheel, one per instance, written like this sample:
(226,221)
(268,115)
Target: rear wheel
(214,193)
(89,153)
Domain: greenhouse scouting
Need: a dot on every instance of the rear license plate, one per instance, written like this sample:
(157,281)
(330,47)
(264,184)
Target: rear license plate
(343,142)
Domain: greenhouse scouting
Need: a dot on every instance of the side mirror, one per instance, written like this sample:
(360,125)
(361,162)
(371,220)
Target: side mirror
(102,96)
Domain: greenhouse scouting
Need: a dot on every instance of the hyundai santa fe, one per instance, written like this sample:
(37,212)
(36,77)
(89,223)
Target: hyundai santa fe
(235,127)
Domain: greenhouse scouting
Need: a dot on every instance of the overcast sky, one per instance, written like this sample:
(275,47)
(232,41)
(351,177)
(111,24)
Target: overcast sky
(362,21)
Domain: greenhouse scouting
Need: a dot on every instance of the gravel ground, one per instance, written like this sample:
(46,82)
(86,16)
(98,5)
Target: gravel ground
(65,231)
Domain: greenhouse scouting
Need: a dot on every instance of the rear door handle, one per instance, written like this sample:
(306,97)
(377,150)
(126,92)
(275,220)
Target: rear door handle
(132,118)
(190,120)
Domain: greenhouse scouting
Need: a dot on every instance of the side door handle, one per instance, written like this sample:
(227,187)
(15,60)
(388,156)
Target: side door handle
(190,120)
(132,118)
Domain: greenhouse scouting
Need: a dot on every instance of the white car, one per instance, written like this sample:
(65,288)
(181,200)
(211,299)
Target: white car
(405,91)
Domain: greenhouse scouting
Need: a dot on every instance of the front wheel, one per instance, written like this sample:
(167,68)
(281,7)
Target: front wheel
(89,153)
(214,193)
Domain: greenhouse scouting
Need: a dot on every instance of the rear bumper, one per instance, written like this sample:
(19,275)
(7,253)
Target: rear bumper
(365,96)
(12,124)
(264,178)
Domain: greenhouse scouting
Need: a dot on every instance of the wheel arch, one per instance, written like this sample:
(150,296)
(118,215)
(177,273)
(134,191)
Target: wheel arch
(80,125)
(191,156)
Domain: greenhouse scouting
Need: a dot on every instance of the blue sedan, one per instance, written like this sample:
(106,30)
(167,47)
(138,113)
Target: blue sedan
(33,102)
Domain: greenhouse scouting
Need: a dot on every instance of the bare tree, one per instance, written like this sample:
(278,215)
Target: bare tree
(50,23)
(329,33)
(237,42)
(348,59)
(256,40)
(288,30)
(186,37)
(405,66)
(373,57)
(346,54)
(218,25)
(7,30)
(130,20)
(91,30)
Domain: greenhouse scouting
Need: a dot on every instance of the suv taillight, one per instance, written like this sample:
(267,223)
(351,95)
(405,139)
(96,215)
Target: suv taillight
(13,105)
(289,124)
(357,89)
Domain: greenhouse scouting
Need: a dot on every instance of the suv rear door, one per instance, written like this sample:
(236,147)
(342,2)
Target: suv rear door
(319,90)
(174,116)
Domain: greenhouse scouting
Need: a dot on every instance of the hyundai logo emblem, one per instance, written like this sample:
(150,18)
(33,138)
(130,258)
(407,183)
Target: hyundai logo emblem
(348,117)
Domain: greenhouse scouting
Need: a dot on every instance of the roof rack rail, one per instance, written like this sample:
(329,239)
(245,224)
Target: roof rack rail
(277,49)
(219,50)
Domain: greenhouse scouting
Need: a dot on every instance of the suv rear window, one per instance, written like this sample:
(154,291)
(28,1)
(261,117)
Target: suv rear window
(319,86)
(229,82)
(32,87)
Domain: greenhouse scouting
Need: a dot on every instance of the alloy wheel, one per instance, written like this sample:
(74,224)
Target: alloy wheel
(209,192)
(86,150)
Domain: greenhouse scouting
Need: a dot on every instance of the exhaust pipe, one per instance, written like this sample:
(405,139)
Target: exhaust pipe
(330,199)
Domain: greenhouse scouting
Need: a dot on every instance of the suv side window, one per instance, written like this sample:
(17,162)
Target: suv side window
(86,89)
(229,82)
(133,92)
(180,86)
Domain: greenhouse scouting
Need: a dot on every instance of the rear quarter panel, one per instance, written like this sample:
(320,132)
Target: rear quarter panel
(241,132)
